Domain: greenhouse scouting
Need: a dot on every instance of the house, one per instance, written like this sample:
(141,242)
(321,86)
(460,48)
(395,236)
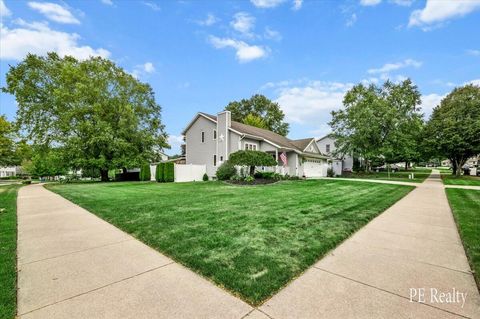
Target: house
(326,145)
(211,139)
(8,171)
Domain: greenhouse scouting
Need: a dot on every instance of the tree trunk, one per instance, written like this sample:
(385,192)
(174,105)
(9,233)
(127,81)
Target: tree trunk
(252,170)
(104,175)
(406,165)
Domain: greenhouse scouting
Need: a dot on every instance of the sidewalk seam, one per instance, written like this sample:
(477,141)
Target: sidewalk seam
(389,292)
(98,288)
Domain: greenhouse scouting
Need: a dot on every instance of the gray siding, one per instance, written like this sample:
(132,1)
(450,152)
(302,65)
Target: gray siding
(198,152)
(347,162)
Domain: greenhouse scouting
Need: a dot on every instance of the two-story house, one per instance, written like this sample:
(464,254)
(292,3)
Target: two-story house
(211,139)
(326,145)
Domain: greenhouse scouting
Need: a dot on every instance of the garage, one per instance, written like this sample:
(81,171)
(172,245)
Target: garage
(315,168)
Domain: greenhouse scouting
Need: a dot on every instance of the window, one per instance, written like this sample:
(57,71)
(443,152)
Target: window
(250,146)
(214,160)
(221,158)
(214,134)
(327,148)
(203,137)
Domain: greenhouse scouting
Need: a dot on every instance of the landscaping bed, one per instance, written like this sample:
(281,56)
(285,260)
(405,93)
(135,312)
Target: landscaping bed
(249,240)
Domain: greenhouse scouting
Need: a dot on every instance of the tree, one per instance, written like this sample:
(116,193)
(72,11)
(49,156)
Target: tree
(99,115)
(254,120)
(12,152)
(252,159)
(145,174)
(260,107)
(7,150)
(379,122)
(453,130)
(46,162)
(160,172)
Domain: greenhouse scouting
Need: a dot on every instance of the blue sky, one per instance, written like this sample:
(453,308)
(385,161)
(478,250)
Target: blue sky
(200,55)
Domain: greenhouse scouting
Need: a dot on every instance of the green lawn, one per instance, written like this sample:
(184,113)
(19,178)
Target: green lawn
(8,251)
(420,174)
(449,179)
(465,204)
(250,240)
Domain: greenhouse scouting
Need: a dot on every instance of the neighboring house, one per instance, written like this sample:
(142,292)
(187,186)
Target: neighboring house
(8,171)
(211,139)
(326,145)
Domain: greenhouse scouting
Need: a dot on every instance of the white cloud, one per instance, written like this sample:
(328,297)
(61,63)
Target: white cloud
(297,4)
(404,3)
(395,66)
(266,3)
(439,11)
(272,34)
(4,11)
(244,51)
(370,2)
(38,38)
(351,21)
(152,5)
(142,69)
(107,2)
(209,20)
(474,82)
(473,52)
(54,12)
(148,67)
(311,103)
(429,102)
(243,23)
(175,141)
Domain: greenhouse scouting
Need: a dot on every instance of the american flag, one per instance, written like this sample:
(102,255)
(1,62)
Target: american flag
(283,157)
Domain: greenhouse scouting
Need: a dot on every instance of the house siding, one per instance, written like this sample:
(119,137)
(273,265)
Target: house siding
(347,161)
(198,152)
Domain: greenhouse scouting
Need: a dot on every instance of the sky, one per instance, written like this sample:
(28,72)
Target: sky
(201,55)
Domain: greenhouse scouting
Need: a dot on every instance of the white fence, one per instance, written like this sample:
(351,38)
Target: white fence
(189,172)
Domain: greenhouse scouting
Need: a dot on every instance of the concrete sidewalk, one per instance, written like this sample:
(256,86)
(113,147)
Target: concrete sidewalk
(412,245)
(72,264)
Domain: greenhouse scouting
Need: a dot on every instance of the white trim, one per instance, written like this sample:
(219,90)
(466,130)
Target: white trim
(312,141)
(245,144)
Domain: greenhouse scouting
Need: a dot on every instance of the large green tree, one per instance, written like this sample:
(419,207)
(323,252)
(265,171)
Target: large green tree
(251,159)
(453,130)
(99,115)
(379,122)
(259,111)
(7,144)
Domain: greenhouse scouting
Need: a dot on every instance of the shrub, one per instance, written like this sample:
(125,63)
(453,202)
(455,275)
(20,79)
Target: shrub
(160,173)
(264,175)
(330,172)
(169,172)
(145,174)
(205,177)
(226,171)
(252,159)
(249,179)
(277,176)
(27,182)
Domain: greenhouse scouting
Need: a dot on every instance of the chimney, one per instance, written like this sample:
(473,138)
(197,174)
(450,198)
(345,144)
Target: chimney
(225,117)
(224,121)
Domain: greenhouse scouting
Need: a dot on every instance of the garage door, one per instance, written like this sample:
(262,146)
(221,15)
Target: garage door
(314,168)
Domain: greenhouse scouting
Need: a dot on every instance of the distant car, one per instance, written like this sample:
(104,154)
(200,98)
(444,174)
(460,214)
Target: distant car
(393,168)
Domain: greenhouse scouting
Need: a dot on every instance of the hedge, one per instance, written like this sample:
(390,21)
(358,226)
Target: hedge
(145,173)
(169,172)
(160,173)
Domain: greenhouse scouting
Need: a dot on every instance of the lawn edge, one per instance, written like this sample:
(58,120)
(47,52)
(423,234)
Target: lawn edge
(470,263)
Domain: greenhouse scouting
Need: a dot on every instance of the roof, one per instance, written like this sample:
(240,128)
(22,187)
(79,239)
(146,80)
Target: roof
(302,143)
(272,137)
(321,138)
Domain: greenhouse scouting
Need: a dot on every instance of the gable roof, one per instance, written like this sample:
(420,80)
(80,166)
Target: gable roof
(302,143)
(260,133)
